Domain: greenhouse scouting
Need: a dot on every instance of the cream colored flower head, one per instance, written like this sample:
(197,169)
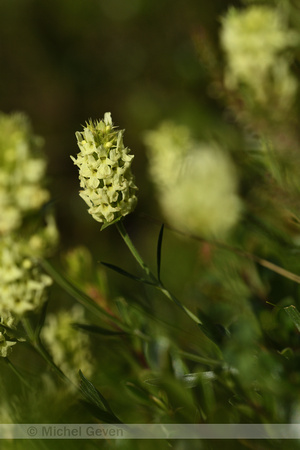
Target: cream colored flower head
(199,192)
(257,42)
(23,286)
(22,171)
(105,171)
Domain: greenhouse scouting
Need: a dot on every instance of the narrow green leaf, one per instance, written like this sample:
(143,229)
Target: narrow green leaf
(172,297)
(126,274)
(158,251)
(95,329)
(18,373)
(294,315)
(99,413)
(96,401)
(131,247)
(92,394)
(41,319)
(201,359)
(153,381)
(215,332)
(189,380)
(140,394)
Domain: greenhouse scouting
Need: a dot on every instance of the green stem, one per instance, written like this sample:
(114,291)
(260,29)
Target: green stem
(261,261)
(80,296)
(170,296)
(133,250)
(17,373)
(141,335)
(200,359)
(154,280)
(36,343)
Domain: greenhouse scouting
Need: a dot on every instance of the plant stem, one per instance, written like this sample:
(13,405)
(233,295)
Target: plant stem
(200,359)
(36,343)
(133,250)
(17,373)
(170,296)
(80,296)
(156,283)
(244,254)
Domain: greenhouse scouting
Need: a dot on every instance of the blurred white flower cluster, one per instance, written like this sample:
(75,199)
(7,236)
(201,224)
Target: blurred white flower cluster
(167,146)
(23,285)
(105,171)
(68,346)
(22,171)
(196,182)
(257,44)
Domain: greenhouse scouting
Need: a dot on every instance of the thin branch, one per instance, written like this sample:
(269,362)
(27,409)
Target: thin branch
(261,261)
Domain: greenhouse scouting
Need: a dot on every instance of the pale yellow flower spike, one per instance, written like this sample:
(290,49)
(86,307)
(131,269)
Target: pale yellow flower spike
(105,171)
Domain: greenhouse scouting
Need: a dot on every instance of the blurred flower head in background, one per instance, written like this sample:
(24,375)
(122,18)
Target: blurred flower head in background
(24,236)
(22,171)
(167,145)
(68,346)
(196,182)
(23,286)
(257,43)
